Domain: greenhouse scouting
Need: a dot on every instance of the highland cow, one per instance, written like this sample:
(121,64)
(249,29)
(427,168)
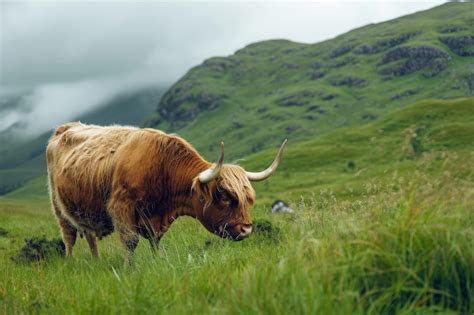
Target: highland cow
(138,181)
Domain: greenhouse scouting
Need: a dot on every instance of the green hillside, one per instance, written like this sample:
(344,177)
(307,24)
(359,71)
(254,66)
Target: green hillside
(279,89)
(275,89)
(352,157)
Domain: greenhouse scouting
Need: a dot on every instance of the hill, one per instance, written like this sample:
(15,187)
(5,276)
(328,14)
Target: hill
(353,157)
(275,89)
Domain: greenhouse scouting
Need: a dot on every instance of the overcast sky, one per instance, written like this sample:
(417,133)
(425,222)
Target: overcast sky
(91,51)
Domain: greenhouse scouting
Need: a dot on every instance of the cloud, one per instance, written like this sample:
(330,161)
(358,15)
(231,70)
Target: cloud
(44,42)
(72,56)
(56,42)
(51,104)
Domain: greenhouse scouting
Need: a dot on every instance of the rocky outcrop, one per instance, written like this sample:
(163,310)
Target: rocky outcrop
(435,67)
(347,61)
(395,41)
(461,45)
(342,50)
(310,116)
(407,60)
(330,96)
(221,64)
(369,117)
(349,81)
(316,74)
(292,128)
(288,51)
(299,99)
(417,52)
(316,109)
(366,49)
(384,44)
(403,94)
(451,29)
(180,105)
(290,66)
(218,66)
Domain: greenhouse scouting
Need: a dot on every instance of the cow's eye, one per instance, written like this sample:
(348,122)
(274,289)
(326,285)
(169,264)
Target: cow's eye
(225,199)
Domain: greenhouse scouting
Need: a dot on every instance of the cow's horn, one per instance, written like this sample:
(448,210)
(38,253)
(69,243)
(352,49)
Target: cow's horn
(258,176)
(209,174)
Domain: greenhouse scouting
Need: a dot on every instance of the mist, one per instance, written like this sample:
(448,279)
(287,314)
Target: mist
(67,58)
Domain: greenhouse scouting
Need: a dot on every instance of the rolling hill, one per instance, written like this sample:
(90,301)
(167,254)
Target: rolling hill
(275,89)
(425,131)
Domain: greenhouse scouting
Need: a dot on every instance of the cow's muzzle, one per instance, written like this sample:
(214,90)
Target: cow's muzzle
(235,232)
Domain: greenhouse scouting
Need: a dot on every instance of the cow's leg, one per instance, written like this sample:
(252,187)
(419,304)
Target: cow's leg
(124,218)
(130,242)
(91,240)
(68,231)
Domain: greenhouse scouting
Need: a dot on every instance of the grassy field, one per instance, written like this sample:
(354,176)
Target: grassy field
(383,223)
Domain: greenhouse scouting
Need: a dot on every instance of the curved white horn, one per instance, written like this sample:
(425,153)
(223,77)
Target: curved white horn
(258,176)
(209,174)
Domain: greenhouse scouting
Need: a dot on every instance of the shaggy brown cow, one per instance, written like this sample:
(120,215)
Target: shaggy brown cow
(139,181)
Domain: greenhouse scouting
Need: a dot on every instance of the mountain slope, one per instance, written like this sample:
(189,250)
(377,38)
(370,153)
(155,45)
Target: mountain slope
(275,89)
(429,132)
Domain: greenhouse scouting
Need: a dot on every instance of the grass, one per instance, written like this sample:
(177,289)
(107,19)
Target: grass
(398,248)
(392,235)
(383,220)
(377,149)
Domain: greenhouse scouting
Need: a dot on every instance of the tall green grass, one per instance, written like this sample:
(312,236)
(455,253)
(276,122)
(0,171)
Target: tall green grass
(403,245)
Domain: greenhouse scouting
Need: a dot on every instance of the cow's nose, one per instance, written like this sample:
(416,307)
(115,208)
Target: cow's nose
(245,230)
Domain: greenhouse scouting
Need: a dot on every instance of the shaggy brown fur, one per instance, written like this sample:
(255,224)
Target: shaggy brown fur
(137,181)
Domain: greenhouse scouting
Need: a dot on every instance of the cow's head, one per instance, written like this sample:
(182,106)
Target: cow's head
(225,195)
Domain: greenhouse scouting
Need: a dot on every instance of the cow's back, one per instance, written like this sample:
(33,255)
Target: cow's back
(85,154)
